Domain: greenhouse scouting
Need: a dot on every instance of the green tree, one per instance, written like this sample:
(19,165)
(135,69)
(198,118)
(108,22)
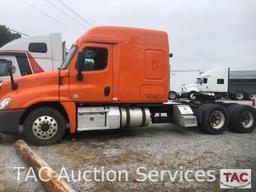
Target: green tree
(6,35)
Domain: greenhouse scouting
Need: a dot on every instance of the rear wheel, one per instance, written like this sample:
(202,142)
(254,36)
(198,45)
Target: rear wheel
(172,95)
(44,126)
(214,118)
(242,119)
(240,96)
(252,95)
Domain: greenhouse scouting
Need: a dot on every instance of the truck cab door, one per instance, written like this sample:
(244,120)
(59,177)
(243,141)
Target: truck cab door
(219,81)
(96,83)
(204,85)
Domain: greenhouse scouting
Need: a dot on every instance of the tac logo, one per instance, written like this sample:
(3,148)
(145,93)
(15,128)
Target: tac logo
(235,178)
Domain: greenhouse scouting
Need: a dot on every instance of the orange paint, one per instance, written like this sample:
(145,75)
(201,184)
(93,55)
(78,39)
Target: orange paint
(70,108)
(137,72)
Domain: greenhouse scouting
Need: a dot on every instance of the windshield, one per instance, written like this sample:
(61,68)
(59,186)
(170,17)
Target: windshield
(198,80)
(4,68)
(69,57)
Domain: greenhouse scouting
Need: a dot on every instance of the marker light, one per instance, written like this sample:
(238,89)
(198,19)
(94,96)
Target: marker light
(5,103)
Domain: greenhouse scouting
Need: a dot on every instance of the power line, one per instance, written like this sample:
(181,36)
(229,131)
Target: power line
(75,13)
(44,13)
(24,34)
(59,9)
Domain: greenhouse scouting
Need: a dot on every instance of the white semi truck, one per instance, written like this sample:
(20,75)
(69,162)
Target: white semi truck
(221,82)
(32,55)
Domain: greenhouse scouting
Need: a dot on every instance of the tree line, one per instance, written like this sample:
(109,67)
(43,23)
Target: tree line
(7,36)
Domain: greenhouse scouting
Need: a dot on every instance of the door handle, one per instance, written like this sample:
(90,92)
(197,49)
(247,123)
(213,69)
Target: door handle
(107,91)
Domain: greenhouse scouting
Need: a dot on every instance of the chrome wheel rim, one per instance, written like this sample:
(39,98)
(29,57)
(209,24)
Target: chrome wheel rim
(172,95)
(247,119)
(192,96)
(217,119)
(239,96)
(45,127)
(252,96)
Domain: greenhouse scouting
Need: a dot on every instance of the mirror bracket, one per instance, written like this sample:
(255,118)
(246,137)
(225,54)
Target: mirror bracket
(11,71)
(80,64)
(80,76)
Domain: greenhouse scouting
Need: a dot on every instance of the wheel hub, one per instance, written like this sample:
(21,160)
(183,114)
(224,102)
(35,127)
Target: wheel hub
(172,95)
(247,119)
(45,127)
(240,96)
(217,119)
(252,95)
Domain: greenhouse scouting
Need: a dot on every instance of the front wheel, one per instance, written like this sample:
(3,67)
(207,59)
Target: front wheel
(192,95)
(44,126)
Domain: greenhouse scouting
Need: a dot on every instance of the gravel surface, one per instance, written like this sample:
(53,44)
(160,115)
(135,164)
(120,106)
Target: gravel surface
(159,147)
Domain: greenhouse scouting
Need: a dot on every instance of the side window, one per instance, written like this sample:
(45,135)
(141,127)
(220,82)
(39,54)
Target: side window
(95,58)
(205,80)
(220,81)
(4,66)
(37,47)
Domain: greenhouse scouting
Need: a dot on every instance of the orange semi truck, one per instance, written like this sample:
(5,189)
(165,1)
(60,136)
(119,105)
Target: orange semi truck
(113,78)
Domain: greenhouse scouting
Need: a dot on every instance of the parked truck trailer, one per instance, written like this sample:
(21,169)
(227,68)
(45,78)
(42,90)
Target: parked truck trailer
(242,85)
(112,78)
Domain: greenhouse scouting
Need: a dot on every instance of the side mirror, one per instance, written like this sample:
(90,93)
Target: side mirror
(80,66)
(12,70)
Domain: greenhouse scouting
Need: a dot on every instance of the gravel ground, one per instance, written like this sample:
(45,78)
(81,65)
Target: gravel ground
(159,147)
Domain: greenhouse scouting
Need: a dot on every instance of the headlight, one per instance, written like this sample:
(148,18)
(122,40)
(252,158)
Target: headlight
(5,103)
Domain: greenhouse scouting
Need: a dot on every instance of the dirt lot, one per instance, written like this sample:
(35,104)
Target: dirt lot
(159,147)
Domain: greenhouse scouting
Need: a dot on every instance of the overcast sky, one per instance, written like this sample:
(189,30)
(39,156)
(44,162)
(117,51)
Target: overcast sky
(202,33)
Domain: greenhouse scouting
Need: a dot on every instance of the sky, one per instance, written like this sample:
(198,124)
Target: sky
(202,33)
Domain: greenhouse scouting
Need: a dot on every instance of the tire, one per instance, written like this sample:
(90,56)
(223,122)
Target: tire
(172,95)
(214,118)
(240,96)
(44,126)
(242,119)
(191,95)
(252,95)
(231,107)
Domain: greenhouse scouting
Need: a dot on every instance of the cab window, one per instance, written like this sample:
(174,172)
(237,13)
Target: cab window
(37,47)
(4,66)
(95,58)
(220,81)
(205,80)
